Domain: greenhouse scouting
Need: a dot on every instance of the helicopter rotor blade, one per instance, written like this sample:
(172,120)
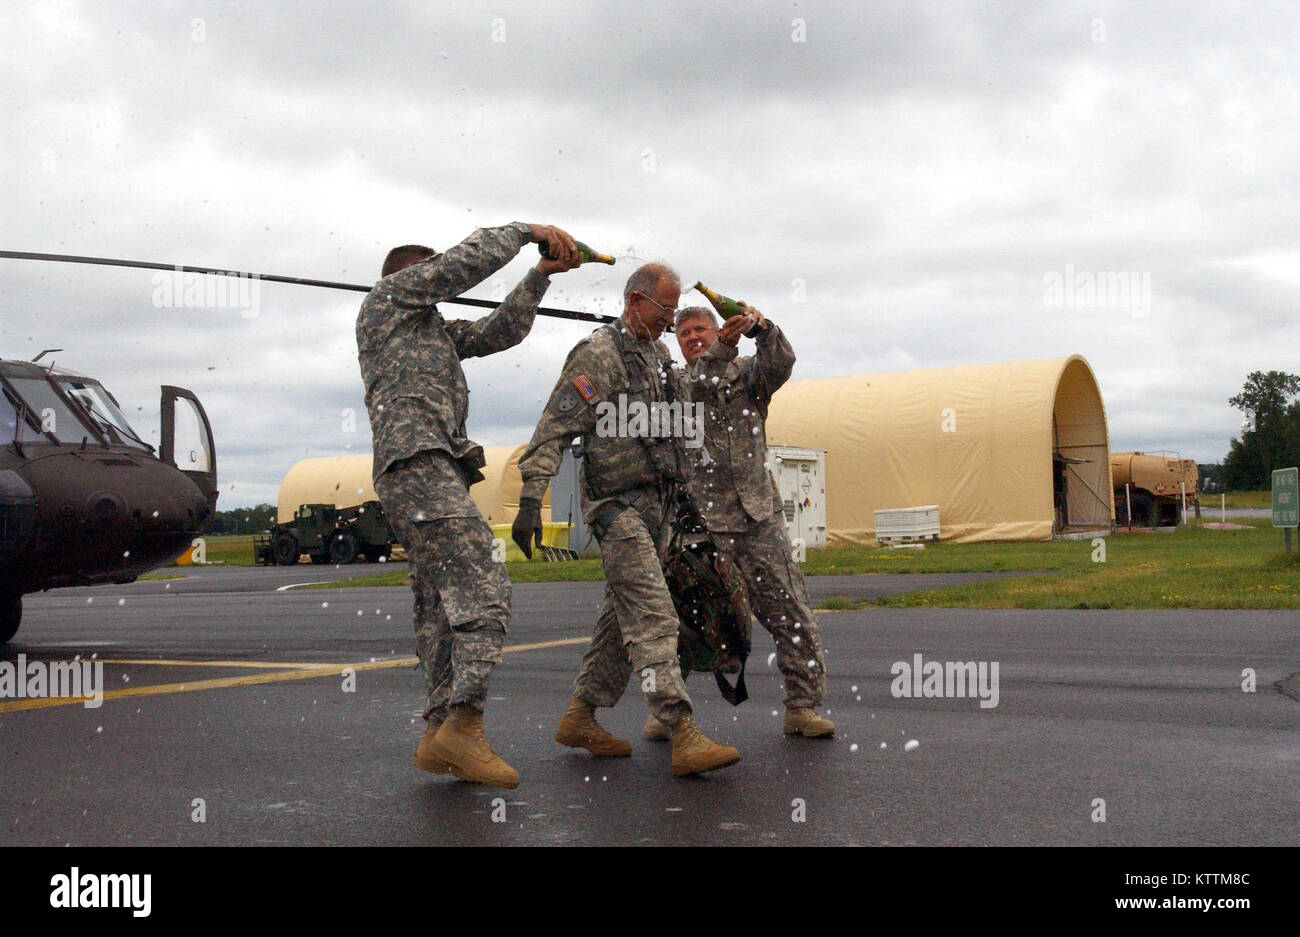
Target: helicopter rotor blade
(273,278)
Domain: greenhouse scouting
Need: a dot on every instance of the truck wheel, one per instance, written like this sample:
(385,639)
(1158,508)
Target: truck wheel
(285,549)
(1144,510)
(344,547)
(11,616)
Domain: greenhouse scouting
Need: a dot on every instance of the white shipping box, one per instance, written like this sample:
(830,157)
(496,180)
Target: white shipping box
(906,525)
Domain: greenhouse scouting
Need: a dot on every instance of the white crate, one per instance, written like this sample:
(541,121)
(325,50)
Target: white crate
(905,525)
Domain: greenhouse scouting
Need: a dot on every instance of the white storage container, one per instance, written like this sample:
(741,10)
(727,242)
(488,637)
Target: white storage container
(907,525)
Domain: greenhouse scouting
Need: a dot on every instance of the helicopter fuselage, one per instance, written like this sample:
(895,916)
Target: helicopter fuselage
(83,499)
(100,514)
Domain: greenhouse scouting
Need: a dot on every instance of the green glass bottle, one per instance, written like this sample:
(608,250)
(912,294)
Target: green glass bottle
(588,255)
(725,305)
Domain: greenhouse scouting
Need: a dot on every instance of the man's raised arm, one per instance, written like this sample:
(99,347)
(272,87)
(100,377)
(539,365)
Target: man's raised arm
(508,324)
(457,269)
(765,372)
(773,363)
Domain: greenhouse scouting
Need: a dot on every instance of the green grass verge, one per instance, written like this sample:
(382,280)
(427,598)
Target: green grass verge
(523,571)
(1236,499)
(943,558)
(227,550)
(1189,568)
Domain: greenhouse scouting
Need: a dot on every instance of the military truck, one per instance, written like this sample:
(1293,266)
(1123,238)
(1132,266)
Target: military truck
(327,535)
(1156,482)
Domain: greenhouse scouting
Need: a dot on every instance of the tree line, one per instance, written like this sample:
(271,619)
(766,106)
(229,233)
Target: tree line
(254,520)
(1270,430)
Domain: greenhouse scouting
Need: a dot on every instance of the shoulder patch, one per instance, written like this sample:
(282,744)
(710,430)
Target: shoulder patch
(564,403)
(577,394)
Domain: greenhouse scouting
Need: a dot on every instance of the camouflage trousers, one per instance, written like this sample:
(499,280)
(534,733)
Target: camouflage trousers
(462,592)
(636,634)
(778,597)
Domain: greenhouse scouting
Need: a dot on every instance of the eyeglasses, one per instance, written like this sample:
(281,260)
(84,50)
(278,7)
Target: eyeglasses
(671,311)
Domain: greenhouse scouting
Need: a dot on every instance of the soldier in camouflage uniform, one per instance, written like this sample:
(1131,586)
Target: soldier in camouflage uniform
(738,498)
(626,501)
(418,400)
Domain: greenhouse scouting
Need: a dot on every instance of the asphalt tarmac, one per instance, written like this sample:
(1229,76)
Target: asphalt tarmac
(239,712)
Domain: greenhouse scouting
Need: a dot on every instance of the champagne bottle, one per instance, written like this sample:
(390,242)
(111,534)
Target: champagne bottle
(588,255)
(725,305)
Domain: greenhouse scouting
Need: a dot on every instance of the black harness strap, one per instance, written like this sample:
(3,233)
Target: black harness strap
(605,515)
(733,695)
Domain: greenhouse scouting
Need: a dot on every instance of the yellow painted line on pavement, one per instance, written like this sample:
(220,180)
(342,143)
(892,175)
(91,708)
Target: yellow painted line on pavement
(563,642)
(159,662)
(302,672)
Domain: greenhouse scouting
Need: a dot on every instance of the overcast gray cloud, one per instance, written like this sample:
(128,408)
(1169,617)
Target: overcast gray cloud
(899,189)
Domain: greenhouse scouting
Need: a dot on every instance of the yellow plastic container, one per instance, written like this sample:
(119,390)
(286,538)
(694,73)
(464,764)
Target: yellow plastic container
(554,534)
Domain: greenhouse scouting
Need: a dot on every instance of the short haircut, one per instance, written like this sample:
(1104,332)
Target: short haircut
(695,312)
(647,277)
(401,257)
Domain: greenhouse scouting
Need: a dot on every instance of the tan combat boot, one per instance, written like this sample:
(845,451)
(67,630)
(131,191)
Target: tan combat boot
(694,752)
(654,729)
(807,722)
(425,759)
(461,743)
(579,729)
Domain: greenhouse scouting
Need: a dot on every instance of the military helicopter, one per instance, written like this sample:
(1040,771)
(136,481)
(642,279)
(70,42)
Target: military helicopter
(83,499)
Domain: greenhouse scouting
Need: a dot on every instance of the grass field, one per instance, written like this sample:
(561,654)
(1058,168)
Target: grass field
(1187,568)
(228,549)
(574,571)
(237,550)
(1236,499)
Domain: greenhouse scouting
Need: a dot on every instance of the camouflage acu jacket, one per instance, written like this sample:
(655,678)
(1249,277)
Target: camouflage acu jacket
(731,483)
(410,356)
(597,383)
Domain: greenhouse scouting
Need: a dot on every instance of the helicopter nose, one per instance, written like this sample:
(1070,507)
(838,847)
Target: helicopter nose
(166,522)
(181,513)
(18,505)
(106,507)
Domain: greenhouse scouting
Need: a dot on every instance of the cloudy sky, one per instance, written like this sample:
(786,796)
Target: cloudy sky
(900,185)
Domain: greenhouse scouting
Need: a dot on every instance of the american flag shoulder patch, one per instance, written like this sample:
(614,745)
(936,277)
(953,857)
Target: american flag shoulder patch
(583,386)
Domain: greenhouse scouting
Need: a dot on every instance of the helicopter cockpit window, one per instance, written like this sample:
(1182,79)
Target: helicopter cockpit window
(11,426)
(112,422)
(54,415)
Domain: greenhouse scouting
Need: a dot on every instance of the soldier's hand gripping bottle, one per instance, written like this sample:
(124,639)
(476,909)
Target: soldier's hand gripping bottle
(725,305)
(588,255)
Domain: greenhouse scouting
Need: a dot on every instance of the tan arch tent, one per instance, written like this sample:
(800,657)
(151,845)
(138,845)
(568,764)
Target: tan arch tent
(984,442)
(344,481)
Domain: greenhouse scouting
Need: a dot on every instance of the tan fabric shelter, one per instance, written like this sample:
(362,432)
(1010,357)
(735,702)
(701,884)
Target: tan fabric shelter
(977,440)
(344,481)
